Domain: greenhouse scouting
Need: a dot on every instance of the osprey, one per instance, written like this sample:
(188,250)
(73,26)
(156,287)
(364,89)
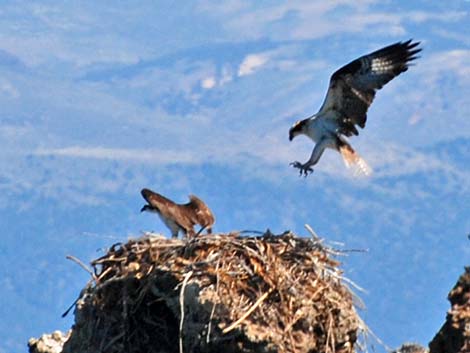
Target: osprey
(179,217)
(350,93)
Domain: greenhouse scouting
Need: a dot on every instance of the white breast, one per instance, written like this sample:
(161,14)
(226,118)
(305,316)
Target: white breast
(171,224)
(320,127)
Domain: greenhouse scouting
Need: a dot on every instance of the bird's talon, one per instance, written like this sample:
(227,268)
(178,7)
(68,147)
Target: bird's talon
(303,169)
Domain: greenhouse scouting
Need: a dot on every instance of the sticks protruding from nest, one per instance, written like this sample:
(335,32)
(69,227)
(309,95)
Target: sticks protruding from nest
(82,265)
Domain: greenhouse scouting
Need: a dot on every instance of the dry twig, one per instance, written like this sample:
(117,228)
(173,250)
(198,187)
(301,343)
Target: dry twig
(248,312)
(82,265)
(183,287)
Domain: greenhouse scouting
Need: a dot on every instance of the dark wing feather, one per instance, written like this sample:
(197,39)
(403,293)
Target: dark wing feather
(353,87)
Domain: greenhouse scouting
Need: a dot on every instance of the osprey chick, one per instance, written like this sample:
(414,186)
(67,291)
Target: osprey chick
(350,93)
(179,217)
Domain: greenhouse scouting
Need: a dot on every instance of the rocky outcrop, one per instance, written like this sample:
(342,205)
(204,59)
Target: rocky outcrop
(48,343)
(410,348)
(454,336)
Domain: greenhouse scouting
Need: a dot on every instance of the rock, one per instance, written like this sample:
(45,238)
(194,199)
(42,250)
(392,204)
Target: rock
(410,348)
(48,343)
(454,336)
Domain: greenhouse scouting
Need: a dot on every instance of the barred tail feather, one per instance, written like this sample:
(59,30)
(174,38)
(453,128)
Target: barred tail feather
(354,161)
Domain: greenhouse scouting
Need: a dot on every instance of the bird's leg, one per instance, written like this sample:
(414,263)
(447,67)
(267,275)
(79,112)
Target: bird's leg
(189,233)
(200,231)
(306,168)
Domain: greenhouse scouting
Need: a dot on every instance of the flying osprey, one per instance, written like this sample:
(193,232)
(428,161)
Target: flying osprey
(350,93)
(179,217)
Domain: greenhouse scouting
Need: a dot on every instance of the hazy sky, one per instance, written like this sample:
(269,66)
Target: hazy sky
(101,99)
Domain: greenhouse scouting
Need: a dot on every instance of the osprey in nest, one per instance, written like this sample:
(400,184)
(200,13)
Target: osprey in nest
(350,93)
(179,217)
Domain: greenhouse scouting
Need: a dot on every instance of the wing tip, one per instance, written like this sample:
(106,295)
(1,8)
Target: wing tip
(412,48)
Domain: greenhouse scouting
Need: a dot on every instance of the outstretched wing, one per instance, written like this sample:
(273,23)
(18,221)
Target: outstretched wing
(353,87)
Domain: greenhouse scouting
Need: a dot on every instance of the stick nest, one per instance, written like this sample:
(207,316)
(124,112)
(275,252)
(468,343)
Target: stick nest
(217,293)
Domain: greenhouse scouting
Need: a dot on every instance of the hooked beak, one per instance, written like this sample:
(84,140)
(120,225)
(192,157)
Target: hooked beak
(296,129)
(144,208)
(291,135)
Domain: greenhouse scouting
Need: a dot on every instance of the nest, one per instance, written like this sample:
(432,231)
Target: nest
(216,293)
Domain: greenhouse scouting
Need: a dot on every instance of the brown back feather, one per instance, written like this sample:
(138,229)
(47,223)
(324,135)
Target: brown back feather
(169,209)
(201,212)
(185,215)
